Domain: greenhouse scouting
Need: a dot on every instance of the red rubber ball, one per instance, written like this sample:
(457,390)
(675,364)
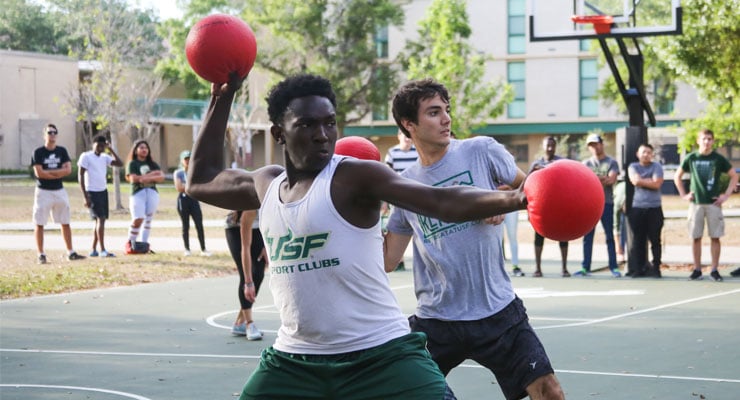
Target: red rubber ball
(218,45)
(565,200)
(357,147)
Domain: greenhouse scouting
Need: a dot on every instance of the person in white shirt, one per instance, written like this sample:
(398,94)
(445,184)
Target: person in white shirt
(92,175)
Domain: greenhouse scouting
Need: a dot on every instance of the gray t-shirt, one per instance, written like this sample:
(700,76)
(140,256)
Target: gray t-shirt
(602,168)
(459,269)
(644,197)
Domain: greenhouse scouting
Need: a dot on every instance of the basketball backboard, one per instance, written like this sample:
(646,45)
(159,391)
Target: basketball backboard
(554,19)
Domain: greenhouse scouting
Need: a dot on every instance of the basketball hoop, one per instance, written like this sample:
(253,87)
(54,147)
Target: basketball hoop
(602,23)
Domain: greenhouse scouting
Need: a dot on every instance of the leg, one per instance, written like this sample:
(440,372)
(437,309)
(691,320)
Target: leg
(101,233)
(539,241)
(67,236)
(564,258)
(233,240)
(637,247)
(545,387)
(197,215)
(511,220)
(588,242)
(182,211)
(696,250)
(607,221)
(38,233)
(96,231)
(655,227)
(715,248)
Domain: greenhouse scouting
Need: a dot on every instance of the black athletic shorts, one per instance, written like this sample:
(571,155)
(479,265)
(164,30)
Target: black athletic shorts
(504,343)
(99,204)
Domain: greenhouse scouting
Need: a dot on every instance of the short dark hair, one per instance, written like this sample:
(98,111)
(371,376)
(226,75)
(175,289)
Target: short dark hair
(706,131)
(100,139)
(407,99)
(549,138)
(294,87)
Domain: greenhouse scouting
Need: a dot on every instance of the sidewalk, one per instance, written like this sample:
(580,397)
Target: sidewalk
(551,251)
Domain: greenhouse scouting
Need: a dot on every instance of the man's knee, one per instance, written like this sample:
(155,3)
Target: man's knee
(545,388)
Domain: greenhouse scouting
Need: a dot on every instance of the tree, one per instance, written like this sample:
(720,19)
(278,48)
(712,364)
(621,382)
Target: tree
(332,38)
(26,26)
(123,46)
(443,53)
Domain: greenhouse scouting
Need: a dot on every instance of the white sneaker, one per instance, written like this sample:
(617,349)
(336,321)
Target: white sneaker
(205,253)
(253,333)
(186,253)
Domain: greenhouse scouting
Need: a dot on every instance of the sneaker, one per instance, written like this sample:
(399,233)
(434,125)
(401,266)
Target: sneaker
(93,253)
(73,256)
(239,330)
(253,333)
(696,275)
(565,274)
(716,276)
(582,272)
(517,271)
(616,273)
(105,253)
(205,253)
(187,253)
(735,273)
(42,259)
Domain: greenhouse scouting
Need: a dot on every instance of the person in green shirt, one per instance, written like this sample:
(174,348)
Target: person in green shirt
(705,167)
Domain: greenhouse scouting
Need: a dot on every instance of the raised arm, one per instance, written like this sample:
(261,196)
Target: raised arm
(208,181)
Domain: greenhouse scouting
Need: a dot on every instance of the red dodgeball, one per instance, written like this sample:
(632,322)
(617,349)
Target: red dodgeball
(565,200)
(357,147)
(218,45)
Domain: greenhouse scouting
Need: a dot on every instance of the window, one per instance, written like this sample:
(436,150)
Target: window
(381,42)
(663,96)
(589,81)
(517,43)
(516,75)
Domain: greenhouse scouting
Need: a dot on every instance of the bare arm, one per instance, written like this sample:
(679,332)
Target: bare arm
(52,173)
(117,162)
(245,228)
(179,183)
(394,245)
(733,182)
(81,178)
(679,185)
(208,181)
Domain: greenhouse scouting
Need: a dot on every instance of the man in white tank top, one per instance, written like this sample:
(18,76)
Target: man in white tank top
(342,330)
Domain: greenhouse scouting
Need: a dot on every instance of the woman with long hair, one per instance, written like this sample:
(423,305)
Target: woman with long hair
(143,174)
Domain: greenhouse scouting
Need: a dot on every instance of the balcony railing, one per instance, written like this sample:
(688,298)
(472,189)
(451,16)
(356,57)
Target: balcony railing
(191,112)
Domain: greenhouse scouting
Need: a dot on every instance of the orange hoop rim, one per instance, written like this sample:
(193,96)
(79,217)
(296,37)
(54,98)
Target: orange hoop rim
(602,23)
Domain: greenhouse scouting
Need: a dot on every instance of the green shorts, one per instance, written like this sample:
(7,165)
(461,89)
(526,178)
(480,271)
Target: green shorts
(399,369)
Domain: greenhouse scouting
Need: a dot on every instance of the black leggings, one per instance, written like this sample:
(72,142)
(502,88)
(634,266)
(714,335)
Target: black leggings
(188,207)
(234,240)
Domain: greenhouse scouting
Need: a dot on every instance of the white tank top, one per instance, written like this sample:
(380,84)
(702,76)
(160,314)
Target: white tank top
(326,275)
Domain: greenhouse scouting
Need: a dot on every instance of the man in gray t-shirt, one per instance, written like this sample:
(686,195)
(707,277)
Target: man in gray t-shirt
(646,215)
(466,304)
(607,169)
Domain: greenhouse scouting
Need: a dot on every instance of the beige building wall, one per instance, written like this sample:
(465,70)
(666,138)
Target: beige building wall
(33,88)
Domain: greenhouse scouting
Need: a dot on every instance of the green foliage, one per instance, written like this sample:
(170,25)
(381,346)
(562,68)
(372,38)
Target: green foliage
(444,53)
(27,26)
(332,38)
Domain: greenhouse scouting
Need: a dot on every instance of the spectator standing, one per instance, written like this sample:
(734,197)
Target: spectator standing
(705,167)
(646,214)
(466,304)
(399,158)
(549,145)
(50,164)
(188,207)
(248,252)
(606,169)
(143,174)
(92,175)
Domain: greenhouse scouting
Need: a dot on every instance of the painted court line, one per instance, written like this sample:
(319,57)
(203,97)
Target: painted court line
(79,388)
(647,310)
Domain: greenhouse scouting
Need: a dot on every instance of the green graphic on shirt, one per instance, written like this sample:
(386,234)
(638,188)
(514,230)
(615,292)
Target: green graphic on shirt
(289,248)
(434,227)
(705,171)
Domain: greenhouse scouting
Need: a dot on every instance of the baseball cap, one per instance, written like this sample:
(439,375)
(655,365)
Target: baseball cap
(593,138)
(185,154)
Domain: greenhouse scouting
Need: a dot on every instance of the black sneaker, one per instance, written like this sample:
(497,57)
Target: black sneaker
(42,259)
(735,273)
(74,256)
(696,275)
(716,276)
(517,271)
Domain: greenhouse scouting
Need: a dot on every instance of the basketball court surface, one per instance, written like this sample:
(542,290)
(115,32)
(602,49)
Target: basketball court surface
(607,339)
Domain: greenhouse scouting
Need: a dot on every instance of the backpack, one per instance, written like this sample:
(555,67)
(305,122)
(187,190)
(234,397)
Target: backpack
(138,248)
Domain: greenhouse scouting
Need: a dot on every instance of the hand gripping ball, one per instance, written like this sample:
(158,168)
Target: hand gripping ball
(565,200)
(357,147)
(218,45)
